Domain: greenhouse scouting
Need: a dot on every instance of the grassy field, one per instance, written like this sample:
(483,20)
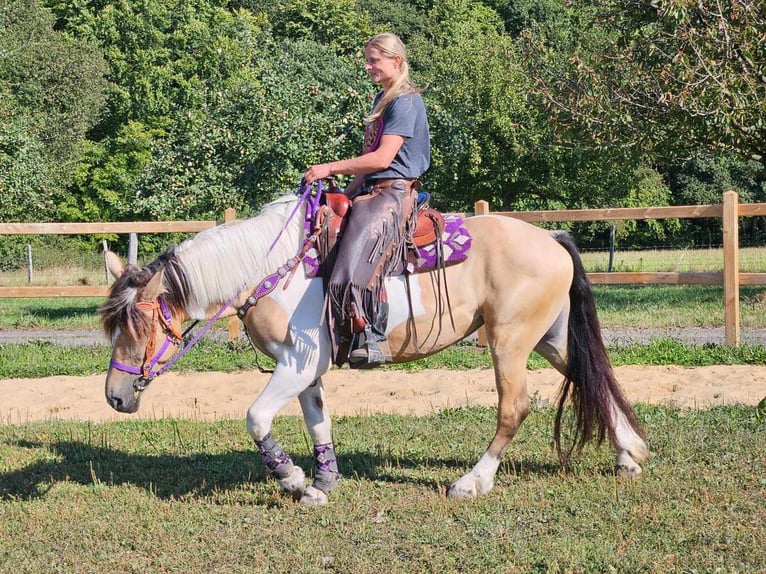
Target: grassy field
(645,307)
(751,260)
(634,306)
(88,267)
(183,496)
(171,495)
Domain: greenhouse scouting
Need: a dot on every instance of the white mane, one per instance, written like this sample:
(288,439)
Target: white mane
(224,260)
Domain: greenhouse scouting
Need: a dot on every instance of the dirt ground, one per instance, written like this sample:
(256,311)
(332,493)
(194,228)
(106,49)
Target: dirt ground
(213,396)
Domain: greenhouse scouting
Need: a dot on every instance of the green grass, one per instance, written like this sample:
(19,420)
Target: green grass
(181,496)
(751,260)
(634,306)
(675,306)
(168,495)
(43,359)
(50,313)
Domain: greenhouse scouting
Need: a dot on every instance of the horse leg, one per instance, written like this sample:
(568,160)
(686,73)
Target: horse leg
(283,386)
(513,408)
(317,419)
(630,447)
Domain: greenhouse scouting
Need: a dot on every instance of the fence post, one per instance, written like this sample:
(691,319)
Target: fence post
(731,268)
(30,266)
(133,249)
(229,215)
(481,207)
(105,248)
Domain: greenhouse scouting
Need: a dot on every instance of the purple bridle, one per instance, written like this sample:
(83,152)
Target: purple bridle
(161,314)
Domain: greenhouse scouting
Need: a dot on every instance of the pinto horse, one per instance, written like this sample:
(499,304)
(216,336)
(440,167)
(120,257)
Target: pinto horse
(525,285)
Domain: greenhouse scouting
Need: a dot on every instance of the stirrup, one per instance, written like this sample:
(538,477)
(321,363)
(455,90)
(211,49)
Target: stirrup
(371,354)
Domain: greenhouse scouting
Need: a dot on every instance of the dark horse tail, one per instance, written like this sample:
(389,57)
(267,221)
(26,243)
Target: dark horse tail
(589,377)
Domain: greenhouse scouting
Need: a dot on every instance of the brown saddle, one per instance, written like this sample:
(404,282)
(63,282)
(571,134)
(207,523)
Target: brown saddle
(331,217)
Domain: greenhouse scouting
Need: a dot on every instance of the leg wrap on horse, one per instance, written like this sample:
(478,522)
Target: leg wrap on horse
(278,462)
(327,476)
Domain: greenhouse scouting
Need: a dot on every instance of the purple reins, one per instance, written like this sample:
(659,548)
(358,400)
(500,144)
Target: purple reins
(160,312)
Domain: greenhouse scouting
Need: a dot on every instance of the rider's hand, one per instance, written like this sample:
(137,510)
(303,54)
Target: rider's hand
(315,172)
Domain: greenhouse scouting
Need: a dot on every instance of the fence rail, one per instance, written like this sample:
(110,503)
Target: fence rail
(729,212)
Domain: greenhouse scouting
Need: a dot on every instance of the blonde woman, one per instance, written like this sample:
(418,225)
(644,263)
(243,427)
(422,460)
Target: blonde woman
(397,152)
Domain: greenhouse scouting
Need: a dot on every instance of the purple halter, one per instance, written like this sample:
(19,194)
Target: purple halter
(161,314)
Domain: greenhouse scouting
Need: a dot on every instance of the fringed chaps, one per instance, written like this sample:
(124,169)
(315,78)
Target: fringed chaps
(376,239)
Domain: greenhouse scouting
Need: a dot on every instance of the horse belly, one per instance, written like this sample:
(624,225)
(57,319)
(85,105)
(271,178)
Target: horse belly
(423,332)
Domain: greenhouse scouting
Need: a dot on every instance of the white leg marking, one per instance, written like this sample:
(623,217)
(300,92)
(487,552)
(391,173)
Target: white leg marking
(479,481)
(631,449)
(315,413)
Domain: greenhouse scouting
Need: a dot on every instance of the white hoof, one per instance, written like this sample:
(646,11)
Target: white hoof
(313,497)
(626,467)
(294,483)
(469,486)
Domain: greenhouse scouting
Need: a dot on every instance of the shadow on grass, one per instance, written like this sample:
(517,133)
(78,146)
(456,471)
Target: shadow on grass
(58,314)
(171,476)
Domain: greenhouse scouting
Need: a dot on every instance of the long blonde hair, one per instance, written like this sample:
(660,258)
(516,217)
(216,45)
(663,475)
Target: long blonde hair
(390,45)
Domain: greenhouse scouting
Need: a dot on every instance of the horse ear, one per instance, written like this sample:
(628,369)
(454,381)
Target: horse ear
(114,264)
(154,288)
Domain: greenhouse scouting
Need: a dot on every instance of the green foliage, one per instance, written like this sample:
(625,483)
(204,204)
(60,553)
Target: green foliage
(51,93)
(532,104)
(104,181)
(475,97)
(702,180)
(407,19)
(672,77)
(258,137)
(334,23)
(25,193)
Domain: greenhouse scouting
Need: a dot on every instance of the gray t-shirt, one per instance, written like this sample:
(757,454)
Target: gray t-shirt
(405,116)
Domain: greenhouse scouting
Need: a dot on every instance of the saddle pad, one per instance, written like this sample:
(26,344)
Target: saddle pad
(456,244)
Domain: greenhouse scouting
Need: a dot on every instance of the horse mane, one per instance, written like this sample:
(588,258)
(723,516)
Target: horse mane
(220,262)
(211,267)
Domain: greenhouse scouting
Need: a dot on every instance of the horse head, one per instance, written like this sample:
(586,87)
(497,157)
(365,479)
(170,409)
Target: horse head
(143,328)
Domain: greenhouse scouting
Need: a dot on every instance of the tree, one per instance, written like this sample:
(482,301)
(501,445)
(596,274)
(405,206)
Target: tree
(337,24)
(172,63)
(298,104)
(24,172)
(52,91)
(669,77)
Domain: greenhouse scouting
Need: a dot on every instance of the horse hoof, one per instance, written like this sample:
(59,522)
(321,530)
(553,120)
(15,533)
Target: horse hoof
(626,467)
(294,483)
(468,487)
(458,493)
(313,497)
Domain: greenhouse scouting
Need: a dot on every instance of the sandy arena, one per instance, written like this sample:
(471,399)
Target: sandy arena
(213,396)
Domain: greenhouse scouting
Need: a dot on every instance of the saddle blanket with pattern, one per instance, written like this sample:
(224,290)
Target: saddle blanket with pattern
(456,243)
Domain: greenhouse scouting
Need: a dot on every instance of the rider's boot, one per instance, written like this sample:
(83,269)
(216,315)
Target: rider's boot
(371,346)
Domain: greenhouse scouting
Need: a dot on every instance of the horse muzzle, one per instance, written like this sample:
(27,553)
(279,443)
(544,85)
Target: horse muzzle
(126,398)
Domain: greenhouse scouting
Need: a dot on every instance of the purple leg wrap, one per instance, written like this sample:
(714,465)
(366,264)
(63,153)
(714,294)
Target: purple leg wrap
(326,477)
(274,458)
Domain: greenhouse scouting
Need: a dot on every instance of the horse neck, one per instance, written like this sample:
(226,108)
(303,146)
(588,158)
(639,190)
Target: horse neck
(222,262)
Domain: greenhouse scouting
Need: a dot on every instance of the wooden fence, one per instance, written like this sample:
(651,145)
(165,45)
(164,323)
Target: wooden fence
(729,211)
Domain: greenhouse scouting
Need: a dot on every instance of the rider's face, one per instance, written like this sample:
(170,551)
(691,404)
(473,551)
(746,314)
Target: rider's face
(382,69)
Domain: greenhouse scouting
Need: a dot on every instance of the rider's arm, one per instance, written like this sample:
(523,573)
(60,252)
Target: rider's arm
(365,164)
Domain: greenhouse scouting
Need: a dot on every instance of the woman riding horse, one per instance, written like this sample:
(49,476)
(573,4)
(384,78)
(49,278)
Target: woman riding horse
(384,191)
